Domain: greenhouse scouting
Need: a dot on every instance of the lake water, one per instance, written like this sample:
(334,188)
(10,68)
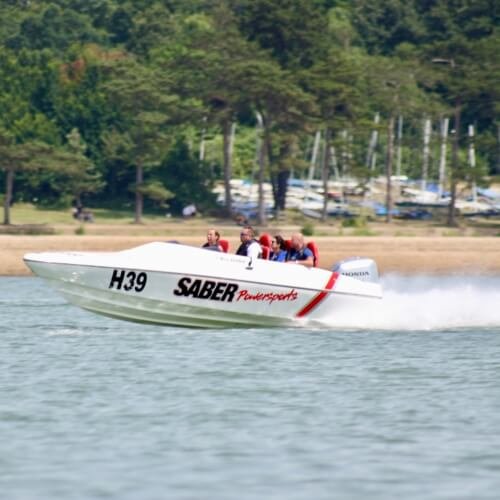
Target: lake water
(400,401)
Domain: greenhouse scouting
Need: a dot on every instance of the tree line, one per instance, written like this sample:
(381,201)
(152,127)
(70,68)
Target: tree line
(134,103)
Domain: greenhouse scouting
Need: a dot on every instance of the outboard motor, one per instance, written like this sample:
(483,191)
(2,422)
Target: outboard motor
(360,268)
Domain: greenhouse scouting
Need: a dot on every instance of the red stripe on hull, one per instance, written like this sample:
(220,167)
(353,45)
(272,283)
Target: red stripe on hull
(317,299)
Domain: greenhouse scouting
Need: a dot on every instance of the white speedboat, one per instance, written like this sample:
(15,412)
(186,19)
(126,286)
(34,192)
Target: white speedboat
(174,284)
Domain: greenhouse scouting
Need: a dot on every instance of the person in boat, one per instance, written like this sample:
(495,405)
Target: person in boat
(212,242)
(249,247)
(299,253)
(278,249)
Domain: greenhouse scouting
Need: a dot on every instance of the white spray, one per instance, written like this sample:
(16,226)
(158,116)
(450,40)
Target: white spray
(427,303)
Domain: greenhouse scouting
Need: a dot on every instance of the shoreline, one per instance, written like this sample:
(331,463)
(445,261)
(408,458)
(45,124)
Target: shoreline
(393,254)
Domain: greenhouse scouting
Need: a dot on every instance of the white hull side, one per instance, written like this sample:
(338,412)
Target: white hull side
(88,288)
(262,294)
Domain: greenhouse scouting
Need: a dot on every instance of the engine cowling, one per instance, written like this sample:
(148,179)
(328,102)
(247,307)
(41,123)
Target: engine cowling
(360,268)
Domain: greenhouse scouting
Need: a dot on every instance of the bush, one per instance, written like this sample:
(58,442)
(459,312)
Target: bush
(31,229)
(357,222)
(80,230)
(363,231)
(308,229)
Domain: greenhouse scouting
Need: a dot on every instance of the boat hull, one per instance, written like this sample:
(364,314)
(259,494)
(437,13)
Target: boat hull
(170,284)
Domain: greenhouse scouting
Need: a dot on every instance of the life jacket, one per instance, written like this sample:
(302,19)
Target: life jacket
(279,256)
(297,254)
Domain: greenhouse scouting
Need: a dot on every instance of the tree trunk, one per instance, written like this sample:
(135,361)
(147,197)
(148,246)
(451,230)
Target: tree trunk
(454,166)
(261,159)
(399,147)
(314,157)
(283,173)
(274,186)
(453,197)
(325,173)
(9,189)
(226,129)
(498,149)
(262,208)
(282,185)
(388,167)
(139,200)
(271,161)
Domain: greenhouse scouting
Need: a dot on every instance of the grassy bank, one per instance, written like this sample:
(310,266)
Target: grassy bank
(120,222)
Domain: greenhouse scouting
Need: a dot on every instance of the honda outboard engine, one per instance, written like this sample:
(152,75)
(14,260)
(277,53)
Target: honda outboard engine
(360,268)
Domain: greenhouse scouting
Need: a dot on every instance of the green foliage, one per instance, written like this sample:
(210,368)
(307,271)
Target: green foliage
(355,222)
(385,24)
(308,229)
(156,191)
(187,178)
(364,231)
(28,229)
(358,225)
(130,77)
(146,111)
(293,34)
(63,174)
(54,28)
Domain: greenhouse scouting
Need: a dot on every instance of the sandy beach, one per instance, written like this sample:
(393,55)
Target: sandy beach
(399,254)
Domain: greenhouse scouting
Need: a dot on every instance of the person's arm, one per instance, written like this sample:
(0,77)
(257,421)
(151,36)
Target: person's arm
(309,260)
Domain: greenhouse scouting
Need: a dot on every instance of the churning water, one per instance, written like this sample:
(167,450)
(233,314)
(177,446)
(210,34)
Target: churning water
(428,303)
(398,400)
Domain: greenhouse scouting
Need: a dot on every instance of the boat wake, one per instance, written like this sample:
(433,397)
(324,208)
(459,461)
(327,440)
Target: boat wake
(427,303)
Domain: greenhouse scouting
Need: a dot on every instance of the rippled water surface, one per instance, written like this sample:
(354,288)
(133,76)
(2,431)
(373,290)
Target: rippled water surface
(400,400)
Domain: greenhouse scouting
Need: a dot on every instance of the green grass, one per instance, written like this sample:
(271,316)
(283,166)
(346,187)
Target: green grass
(26,213)
(404,233)
(359,222)
(109,221)
(364,231)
